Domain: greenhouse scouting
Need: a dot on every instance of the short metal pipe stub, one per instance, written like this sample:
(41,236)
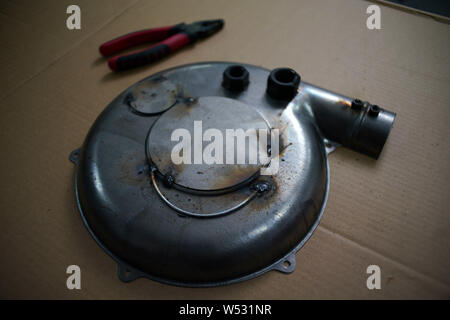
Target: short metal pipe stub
(283,83)
(235,78)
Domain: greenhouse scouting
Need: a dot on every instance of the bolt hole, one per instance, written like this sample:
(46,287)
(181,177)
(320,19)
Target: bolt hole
(286,264)
(127,273)
(328,145)
(236,71)
(375,109)
(285,75)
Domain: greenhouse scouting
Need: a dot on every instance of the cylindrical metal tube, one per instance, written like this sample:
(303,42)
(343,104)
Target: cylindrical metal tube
(358,125)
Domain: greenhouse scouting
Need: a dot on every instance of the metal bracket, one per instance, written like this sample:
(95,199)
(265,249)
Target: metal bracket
(330,146)
(286,265)
(127,273)
(75,155)
(197,214)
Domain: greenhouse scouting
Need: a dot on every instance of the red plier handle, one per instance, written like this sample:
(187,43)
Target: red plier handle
(171,38)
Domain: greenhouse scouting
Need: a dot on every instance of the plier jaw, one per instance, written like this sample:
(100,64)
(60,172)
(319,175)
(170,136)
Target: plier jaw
(203,29)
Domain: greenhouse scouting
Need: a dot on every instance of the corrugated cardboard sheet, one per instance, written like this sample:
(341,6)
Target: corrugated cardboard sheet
(393,212)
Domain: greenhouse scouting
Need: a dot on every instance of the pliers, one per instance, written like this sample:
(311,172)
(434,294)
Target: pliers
(171,39)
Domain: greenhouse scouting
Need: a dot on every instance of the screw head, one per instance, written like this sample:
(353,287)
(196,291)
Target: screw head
(261,187)
(169,180)
(374,110)
(357,104)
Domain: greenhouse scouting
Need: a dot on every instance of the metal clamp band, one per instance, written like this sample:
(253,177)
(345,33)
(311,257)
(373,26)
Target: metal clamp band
(196,214)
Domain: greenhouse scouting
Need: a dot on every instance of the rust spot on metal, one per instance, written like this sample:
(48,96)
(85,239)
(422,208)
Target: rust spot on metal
(283,146)
(173,169)
(282,141)
(152,96)
(133,169)
(345,103)
(183,98)
(165,163)
(262,203)
(235,174)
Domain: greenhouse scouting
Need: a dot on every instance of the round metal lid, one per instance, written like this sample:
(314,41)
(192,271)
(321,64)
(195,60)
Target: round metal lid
(153,96)
(206,127)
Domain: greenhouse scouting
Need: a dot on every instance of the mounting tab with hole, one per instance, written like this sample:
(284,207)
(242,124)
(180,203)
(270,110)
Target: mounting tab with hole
(286,265)
(75,155)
